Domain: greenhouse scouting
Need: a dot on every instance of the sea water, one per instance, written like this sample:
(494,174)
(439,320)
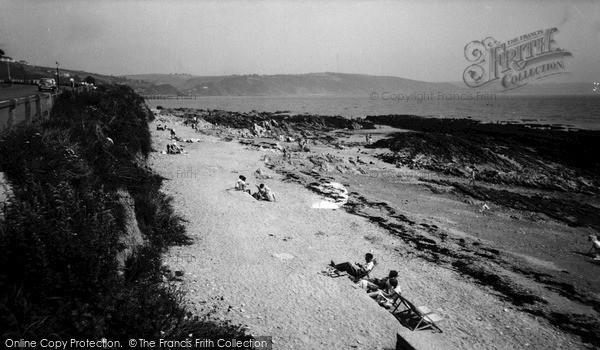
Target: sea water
(581,112)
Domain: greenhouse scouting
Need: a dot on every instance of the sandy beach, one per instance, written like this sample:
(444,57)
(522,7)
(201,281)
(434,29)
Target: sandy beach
(500,278)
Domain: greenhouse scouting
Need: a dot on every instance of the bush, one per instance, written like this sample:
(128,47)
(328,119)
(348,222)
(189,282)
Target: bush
(60,232)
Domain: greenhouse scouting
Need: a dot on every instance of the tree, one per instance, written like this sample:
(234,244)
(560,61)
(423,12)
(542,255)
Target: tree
(2,53)
(90,79)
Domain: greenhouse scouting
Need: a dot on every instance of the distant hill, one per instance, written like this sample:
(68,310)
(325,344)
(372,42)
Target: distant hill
(20,71)
(148,85)
(299,84)
(311,84)
(171,79)
(332,84)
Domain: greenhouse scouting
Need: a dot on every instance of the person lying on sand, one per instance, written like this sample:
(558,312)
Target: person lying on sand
(356,270)
(264,193)
(377,283)
(389,293)
(241,185)
(595,246)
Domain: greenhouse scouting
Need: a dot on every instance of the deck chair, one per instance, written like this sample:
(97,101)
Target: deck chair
(394,302)
(426,318)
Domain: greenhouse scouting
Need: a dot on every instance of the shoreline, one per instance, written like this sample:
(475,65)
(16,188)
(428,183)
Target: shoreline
(501,111)
(445,242)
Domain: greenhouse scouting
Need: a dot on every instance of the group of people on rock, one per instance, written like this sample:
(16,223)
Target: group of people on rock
(384,290)
(264,193)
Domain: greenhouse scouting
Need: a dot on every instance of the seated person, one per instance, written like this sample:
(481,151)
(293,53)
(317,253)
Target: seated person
(377,283)
(241,185)
(357,270)
(174,148)
(389,293)
(264,193)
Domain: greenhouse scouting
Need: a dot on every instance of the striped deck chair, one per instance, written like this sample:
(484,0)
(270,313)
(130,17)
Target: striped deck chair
(425,318)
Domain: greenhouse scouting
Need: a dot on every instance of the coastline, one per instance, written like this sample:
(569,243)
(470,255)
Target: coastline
(566,112)
(430,224)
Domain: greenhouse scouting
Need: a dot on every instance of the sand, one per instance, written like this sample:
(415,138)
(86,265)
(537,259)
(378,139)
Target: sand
(257,263)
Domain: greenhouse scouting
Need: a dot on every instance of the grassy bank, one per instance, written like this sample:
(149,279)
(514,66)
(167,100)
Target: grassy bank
(63,228)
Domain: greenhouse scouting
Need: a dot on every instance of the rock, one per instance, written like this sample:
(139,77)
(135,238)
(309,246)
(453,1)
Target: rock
(5,190)
(133,238)
(283,256)
(260,173)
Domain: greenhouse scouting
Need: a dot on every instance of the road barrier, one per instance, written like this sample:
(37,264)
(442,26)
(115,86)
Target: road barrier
(25,109)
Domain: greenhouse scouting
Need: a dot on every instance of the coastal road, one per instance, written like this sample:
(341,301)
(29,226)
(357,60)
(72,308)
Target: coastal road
(16,91)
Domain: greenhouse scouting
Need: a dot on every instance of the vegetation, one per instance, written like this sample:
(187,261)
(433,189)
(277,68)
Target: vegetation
(90,79)
(60,231)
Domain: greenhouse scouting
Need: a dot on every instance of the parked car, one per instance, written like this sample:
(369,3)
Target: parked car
(47,84)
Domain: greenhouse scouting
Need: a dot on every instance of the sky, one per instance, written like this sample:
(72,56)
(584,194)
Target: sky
(420,40)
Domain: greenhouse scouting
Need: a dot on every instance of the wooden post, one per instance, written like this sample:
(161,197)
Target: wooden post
(49,103)
(11,114)
(38,107)
(48,106)
(28,110)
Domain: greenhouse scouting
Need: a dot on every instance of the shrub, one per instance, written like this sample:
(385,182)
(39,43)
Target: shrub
(60,232)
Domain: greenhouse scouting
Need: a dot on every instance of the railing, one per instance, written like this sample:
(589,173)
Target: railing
(25,109)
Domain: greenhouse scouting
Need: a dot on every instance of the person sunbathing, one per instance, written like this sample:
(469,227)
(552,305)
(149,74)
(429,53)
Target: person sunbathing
(356,270)
(241,185)
(595,246)
(377,283)
(264,193)
(388,294)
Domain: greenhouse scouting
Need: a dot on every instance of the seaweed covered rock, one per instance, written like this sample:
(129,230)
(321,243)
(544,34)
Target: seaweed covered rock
(505,154)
